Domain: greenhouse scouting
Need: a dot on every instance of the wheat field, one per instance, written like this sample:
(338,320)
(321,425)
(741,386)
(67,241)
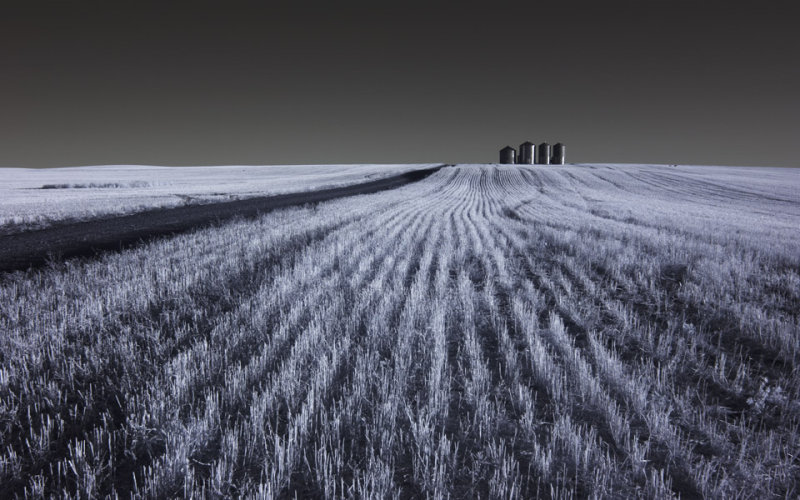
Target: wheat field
(599,331)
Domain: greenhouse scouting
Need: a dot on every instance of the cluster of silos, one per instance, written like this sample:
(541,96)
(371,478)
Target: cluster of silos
(529,154)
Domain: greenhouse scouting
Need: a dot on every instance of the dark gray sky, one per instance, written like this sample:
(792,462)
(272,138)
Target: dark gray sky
(193,83)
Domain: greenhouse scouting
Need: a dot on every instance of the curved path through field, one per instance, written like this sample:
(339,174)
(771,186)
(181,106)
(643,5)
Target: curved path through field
(23,250)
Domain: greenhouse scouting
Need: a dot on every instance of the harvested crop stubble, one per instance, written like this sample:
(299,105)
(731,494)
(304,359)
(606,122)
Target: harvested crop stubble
(491,331)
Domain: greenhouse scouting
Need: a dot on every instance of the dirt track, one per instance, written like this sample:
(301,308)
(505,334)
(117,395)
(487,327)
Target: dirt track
(33,248)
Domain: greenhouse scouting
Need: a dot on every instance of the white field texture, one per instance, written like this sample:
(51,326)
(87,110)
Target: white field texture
(35,198)
(488,332)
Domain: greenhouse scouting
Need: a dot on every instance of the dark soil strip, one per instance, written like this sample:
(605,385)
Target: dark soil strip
(23,250)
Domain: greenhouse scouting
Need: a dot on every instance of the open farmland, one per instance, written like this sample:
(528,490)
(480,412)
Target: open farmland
(32,198)
(490,331)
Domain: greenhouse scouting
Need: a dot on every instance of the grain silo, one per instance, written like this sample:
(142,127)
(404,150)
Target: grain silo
(559,154)
(544,154)
(526,152)
(508,155)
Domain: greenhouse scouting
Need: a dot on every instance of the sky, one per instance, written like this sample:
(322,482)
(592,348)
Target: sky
(205,83)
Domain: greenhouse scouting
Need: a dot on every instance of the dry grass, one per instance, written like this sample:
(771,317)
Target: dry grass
(495,332)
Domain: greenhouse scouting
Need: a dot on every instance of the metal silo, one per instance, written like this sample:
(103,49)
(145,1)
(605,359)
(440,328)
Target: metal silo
(559,154)
(508,155)
(526,152)
(544,154)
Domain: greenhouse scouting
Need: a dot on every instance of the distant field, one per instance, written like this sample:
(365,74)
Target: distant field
(36,198)
(489,331)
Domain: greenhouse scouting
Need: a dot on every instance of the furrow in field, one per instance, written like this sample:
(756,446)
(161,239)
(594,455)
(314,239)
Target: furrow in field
(646,294)
(493,331)
(493,469)
(375,401)
(714,380)
(650,245)
(300,304)
(562,290)
(367,269)
(107,385)
(691,423)
(670,454)
(387,354)
(578,374)
(351,424)
(434,420)
(350,428)
(49,426)
(499,292)
(519,404)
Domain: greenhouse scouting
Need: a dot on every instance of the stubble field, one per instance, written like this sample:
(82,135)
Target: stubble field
(490,331)
(35,198)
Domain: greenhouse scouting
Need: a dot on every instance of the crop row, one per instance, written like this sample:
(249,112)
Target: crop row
(487,332)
